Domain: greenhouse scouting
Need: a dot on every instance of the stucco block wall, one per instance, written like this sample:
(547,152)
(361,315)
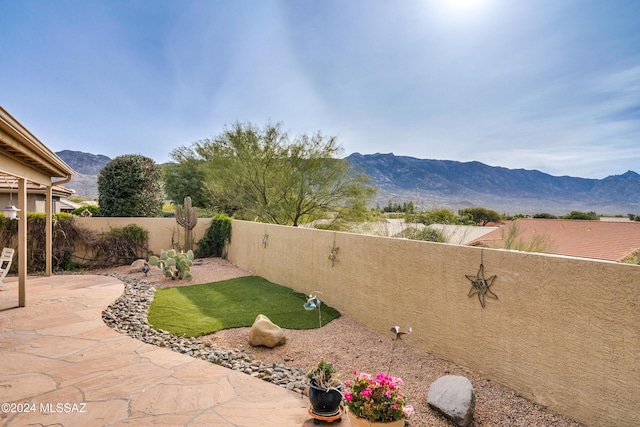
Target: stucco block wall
(164,233)
(565,332)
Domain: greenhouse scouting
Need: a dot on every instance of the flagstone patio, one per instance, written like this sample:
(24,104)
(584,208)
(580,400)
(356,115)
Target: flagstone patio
(61,365)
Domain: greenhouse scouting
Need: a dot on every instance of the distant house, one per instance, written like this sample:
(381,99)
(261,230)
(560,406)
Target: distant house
(615,219)
(605,240)
(36,195)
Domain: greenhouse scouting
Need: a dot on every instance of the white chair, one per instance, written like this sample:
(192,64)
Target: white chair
(5,264)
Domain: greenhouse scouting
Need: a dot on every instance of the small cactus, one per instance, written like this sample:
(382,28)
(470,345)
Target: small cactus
(173,264)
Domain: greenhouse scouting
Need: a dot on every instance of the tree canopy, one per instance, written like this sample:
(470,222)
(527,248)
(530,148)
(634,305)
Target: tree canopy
(265,175)
(130,185)
(184,178)
(481,216)
(582,215)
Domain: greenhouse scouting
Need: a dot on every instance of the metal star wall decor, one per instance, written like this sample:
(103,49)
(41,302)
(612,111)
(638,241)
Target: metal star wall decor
(480,285)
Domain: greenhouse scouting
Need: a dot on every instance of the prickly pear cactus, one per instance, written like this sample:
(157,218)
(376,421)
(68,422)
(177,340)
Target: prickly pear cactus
(174,264)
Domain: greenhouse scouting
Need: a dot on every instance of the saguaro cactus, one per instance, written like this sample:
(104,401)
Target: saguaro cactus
(187,219)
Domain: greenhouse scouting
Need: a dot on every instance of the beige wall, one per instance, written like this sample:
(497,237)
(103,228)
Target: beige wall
(565,332)
(164,233)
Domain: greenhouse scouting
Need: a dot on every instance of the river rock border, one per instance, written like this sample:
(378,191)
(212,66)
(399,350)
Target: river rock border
(128,315)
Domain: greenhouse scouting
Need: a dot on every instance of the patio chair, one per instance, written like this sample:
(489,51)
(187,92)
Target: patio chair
(5,264)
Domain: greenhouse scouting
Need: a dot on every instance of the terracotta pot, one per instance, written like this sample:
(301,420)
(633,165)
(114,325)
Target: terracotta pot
(361,422)
(324,402)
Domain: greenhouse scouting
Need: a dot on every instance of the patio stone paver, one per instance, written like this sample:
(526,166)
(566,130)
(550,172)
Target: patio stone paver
(65,367)
(24,386)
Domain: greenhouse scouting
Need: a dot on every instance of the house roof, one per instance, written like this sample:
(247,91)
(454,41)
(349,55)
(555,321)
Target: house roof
(9,184)
(24,155)
(68,205)
(605,240)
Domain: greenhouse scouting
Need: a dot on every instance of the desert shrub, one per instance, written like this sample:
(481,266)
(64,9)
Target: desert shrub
(65,235)
(513,240)
(545,215)
(94,210)
(130,185)
(436,216)
(216,238)
(632,259)
(588,216)
(73,247)
(118,246)
(427,234)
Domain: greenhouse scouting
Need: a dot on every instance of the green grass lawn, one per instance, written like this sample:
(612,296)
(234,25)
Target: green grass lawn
(198,310)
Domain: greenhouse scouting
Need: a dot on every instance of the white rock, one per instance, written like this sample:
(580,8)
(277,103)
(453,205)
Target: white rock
(454,397)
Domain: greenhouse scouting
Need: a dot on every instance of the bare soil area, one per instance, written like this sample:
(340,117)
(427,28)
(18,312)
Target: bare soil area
(349,346)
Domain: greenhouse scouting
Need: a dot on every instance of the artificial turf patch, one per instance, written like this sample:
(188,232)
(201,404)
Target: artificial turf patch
(198,310)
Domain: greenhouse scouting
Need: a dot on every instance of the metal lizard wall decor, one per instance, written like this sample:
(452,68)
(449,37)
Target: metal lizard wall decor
(334,253)
(481,285)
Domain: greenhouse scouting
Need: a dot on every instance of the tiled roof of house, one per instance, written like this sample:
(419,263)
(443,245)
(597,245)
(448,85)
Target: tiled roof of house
(612,241)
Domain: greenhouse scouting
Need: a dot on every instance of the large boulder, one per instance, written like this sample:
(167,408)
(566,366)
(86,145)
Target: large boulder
(265,332)
(453,396)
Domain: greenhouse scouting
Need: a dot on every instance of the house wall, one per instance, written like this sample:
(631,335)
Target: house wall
(35,202)
(565,332)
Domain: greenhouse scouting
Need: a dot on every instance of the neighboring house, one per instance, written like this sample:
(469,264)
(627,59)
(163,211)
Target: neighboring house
(36,195)
(605,240)
(68,206)
(615,219)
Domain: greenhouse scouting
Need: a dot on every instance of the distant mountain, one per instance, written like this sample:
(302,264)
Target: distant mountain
(84,163)
(454,185)
(433,184)
(88,167)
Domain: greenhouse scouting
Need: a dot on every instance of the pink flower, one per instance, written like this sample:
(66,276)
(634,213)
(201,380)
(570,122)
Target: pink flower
(377,397)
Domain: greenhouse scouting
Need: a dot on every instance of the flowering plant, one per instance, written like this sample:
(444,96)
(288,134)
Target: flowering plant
(377,399)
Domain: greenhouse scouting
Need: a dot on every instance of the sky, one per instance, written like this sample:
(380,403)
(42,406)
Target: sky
(552,85)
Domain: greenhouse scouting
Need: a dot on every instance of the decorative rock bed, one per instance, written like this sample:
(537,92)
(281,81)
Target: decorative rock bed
(128,315)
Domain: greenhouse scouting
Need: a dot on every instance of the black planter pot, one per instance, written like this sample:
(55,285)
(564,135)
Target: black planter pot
(325,402)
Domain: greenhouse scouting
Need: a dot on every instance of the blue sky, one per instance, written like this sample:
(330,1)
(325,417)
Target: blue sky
(552,85)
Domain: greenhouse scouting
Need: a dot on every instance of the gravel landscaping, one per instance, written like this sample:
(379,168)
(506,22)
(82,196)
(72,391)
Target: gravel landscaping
(344,342)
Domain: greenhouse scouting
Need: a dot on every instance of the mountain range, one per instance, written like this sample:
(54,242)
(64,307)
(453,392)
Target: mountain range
(435,184)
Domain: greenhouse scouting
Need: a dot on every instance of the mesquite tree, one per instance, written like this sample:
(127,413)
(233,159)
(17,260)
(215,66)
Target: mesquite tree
(264,175)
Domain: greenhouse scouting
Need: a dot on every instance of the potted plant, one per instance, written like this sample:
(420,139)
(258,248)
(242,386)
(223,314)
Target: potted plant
(325,389)
(376,400)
